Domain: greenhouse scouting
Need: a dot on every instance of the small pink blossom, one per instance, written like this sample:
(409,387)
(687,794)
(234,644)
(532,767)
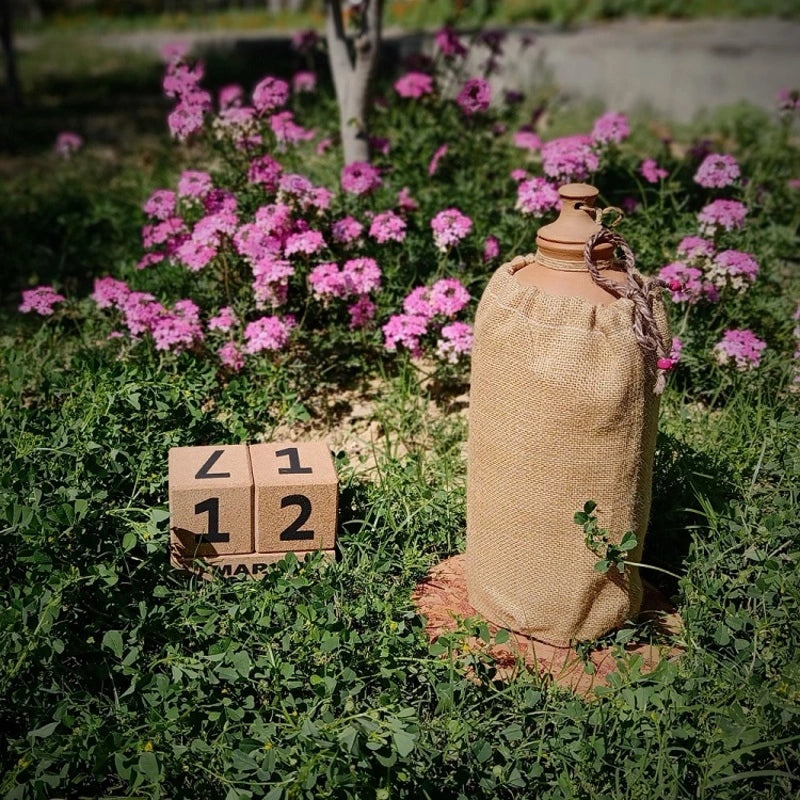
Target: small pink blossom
(437,157)
(287,131)
(733,268)
(414,85)
(527,140)
(271,281)
(224,321)
(230,96)
(360,178)
(304,81)
(346,230)
(536,197)
(67,144)
(405,330)
(230,354)
(725,214)
(387,227)
(194,184)
(651,172)
(519,175)
(685,282)
(717,171)
(569,158)
(109,292)
(161,204)
(268,333)
(455,341)
(41,300)
(362,312)
(788,100)
(323,145)
(695,247)
(265,170)
(327,280)
(405,202)
(306,242)
(195,255)
(475,96)
(174,51)
(362,275)
(445,298)
(449,228)
(449,44)
(611,127)
(177,329)
(741,346)
(491,248)
(270,94)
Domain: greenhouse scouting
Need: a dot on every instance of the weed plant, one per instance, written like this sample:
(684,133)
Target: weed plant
(122,677)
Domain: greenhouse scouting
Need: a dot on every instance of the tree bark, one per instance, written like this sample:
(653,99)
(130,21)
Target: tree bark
(353,58)
(12,79)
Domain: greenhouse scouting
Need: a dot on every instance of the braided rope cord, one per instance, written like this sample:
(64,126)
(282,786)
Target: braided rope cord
(636,289)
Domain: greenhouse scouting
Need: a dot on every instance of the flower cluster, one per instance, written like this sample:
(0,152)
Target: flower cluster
(741,347)
(414,85)
(426,310)
(537,196)
(449,228)
(610,127)
(41,300)
(67,144)
(474,96)
(717,171)
(182,82)
(570,158)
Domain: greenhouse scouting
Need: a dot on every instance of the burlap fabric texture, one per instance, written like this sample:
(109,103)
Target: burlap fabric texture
(562,410)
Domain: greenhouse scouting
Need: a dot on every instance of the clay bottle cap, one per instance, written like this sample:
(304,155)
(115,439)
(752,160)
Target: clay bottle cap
(567,236)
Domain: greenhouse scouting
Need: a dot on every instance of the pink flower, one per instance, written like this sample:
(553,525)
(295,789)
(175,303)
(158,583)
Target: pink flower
(210,229)
(527,140)
(230,96)
(676,350)
(414,85)
(287,131)
(268,333)
(380,144)
(195,255)
(445,298)
(475,96)
(182,79)
(743,346)
(692,247)
(194,184)
(362,275)
(448,43)
(177,329)
(148,259)
(67,143)
(456,340)
(519,175)
(536,197)
(271,281)
(405,330)
(300,189)
(304,81)
(327,280)
(346,230)
(174,51)
(323,145)
(305,41)
(405,202)
(220,201)
(224,321)
(361,312)
(717,171)
(733,268)
(449,228)
(109,292)
(41,300)
(161,204)
(610,127)
(491,248)
(270,94)
(387,227)
(187,116)
(651,172)
(569,158)
(437,157)
(306,242)
(240,125)
(685,282)
(162,232)
(266,171)
(788,100)
(726,214)
(360,178)
(230,354)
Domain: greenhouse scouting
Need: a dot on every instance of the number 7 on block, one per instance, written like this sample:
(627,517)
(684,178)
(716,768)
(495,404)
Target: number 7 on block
(296,496)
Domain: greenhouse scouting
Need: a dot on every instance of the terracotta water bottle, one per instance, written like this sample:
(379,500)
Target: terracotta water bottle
(563,409)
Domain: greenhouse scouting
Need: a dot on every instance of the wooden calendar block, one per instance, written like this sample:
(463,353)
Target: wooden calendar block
(248,565)
(211,500)
(296,496)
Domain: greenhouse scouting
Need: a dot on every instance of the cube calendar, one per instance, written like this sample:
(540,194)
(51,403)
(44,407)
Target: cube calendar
(240,508)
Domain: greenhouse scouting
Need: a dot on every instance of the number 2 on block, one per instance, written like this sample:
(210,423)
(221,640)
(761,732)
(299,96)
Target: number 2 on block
(294,467)
(293,532)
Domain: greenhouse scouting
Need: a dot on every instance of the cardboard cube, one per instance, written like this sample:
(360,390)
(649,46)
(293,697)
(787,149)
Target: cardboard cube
(296,496)
(211,500)
(247,565)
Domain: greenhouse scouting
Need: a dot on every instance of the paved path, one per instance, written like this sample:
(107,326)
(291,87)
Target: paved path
(677,68)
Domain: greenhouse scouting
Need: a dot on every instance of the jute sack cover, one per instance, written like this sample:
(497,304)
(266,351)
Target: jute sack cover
(562,410)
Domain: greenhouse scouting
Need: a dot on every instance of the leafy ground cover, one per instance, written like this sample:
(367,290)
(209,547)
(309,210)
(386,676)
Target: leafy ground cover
(123,678)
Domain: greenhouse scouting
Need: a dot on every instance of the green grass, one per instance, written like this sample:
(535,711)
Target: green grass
(121,677)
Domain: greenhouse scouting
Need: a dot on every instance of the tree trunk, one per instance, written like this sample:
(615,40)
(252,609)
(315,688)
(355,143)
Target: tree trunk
(12,79)
(353,57)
